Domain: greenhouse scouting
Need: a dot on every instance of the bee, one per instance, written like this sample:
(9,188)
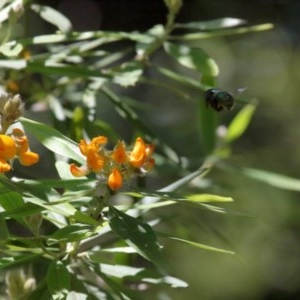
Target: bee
(219,99)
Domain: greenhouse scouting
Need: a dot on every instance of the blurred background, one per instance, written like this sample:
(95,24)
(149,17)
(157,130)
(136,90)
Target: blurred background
(263,223)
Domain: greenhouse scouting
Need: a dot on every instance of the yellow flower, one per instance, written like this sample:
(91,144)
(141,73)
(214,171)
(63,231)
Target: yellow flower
(115,180)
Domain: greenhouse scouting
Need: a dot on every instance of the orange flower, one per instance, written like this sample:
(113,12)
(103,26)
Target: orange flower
(78,171)
(4,166)
(8,148)
(114,166)
(28,158)
(95,162)
(119,153)
(138,154)
(115,180)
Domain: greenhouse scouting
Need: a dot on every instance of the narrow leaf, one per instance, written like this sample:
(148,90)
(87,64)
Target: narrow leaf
(53,140)
(58,278)
(240,123)
(278,180)
(202,246)
(53,16)
(71,233)
(193,58)
(138,235)
(212,24)
(208,198)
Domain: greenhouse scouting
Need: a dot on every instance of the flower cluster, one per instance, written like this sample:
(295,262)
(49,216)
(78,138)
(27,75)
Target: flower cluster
(14,146)
(115,165)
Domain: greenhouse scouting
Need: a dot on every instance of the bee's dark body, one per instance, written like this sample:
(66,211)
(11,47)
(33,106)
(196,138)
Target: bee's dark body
(219,99)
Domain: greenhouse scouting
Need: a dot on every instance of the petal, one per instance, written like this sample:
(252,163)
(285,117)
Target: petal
(138,154)
(95,162)
(84,147)
(119,153)
(115,180)
(8,148)
(4,166)
(98,142)
(28,158)
(78,171)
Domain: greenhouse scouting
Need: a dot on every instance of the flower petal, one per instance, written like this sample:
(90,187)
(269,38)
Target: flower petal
(78,171)
(119,153)
(4,166)
(115,180)
(28,158)
(8,148)
(138,154)
(95,162)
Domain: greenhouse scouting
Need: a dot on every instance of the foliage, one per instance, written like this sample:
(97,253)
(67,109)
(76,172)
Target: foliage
(93,239)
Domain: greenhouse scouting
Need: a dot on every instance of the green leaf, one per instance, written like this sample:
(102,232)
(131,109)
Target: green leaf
(4,233)
(53,140)
(127,74)
(11,200)
(58,279)
(71,233)
(11,49)
(240,123)
(277,180)
(138,235)
(141,274)
(24,210)
(222,32)
(202,246)
(212,24)
(53,16)
(207,198)
(193,58)
(120,271)
(9,262)
(208,120)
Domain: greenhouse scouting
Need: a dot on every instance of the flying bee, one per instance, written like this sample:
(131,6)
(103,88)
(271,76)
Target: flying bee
(219,99)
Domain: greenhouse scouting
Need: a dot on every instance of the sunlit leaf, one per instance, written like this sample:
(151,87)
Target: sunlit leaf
(70,233)
(53,16)
(207,198)
(141,274)
(277,180)
(16,64)
(240,123)
(11,49)
(194,58)
(222,32)
(212,24)
(138,235)
(202,246)
(120,271)
(53,140)
(127,74)
(8,262)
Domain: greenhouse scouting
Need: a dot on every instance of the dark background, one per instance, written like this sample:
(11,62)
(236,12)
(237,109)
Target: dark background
(263,227)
